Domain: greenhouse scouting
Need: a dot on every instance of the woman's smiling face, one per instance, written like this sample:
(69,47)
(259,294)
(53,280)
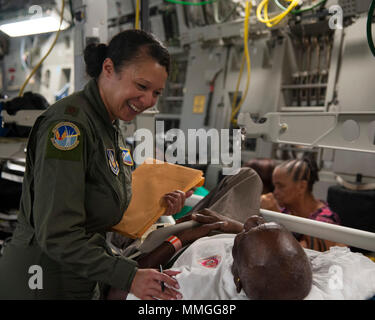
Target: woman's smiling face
(134,89)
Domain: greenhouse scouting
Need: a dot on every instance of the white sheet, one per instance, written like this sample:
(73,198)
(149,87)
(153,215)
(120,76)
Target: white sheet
(337,273)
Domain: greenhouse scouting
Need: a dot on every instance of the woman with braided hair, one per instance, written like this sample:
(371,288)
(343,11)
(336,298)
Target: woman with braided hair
(294,181)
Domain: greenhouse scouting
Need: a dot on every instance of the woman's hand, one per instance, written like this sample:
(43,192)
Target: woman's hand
(268,202)
(146,285)
(175,201)
(207,216)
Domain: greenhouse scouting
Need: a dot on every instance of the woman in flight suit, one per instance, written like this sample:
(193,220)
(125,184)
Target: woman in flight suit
(77,182)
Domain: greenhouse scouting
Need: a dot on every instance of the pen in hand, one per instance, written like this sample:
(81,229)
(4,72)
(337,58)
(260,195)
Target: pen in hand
(162,282)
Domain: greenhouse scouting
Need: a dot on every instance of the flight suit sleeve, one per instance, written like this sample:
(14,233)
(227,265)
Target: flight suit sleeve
(59,207)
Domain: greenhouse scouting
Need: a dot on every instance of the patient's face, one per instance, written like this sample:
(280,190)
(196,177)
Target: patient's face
(269,262)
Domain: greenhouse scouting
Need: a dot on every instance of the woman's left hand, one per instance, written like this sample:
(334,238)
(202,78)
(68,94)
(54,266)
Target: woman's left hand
(175,201)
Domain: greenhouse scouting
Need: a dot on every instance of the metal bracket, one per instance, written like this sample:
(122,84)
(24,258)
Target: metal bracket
(345,131)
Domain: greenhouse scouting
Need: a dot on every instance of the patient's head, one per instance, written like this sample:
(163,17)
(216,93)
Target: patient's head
(269,263)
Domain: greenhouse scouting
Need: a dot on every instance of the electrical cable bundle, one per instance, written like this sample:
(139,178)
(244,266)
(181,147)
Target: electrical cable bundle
(246,56)
(271,22)
(321,2)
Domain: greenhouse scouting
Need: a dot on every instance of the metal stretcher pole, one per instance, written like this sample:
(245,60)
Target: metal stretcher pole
(323,230)
(327,231)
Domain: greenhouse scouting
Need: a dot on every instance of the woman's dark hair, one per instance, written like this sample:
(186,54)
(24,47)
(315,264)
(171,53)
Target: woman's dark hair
(304,169)
(124,48)
(264,168)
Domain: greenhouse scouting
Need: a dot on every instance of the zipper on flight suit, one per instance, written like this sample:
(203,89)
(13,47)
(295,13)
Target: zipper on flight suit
(121,169)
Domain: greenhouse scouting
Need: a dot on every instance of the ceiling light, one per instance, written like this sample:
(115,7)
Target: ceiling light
(34,26)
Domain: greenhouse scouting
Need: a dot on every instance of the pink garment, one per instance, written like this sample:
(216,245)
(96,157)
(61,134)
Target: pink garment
(323,214)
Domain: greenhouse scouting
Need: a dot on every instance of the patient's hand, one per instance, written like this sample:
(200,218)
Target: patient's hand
(268,202)
(188,236)
(207,216)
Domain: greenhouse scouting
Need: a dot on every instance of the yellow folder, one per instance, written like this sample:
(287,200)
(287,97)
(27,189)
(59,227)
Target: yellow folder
(150,182)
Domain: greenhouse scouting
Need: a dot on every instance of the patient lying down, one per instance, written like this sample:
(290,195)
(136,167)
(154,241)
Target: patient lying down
(267,263)
(261,260)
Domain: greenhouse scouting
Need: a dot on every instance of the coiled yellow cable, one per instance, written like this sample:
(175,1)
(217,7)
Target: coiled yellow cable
(247,56)
(271,22)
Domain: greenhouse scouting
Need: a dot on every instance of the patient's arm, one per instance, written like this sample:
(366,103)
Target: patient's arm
(210,216)
(159,256)
(162,254)
(210,220)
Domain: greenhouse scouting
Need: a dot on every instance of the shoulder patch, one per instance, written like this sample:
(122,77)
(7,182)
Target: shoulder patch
(64,142)
(65,136)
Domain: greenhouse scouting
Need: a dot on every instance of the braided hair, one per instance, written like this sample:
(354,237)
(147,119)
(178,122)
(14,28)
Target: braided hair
(303,169)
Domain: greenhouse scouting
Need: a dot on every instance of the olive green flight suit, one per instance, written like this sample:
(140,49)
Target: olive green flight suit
(76,187)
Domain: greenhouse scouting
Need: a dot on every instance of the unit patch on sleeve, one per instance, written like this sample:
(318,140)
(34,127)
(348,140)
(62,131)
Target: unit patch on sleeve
(64,142)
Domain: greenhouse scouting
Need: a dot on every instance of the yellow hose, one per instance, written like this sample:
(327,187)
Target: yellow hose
(238,83)
(247,55)
(46,55)
(268,24)
(137,14)
(271,22)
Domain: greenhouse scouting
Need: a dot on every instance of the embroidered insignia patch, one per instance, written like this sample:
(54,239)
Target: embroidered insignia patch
(65,136)
(210,262)
(126,156)
(113,164)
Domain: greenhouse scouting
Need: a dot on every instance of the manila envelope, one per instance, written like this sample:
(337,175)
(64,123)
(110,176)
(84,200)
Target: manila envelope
(150,182)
